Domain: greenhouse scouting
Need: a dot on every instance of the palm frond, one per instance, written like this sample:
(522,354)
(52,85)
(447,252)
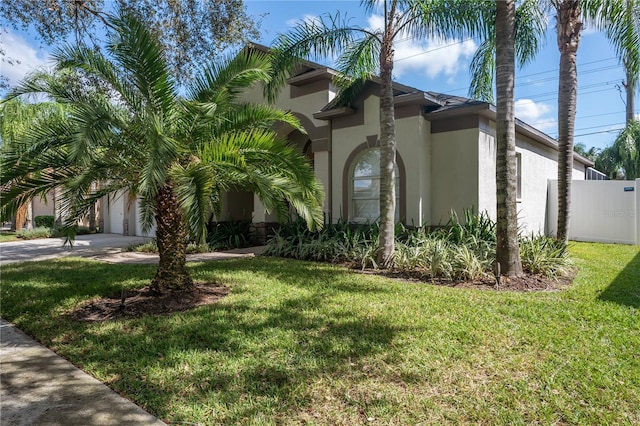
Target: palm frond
(223,81)
(325,36)
(531,26)
(141,57)
(194,185)
(482,70)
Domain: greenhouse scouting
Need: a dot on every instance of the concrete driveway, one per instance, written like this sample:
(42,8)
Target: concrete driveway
(49,248)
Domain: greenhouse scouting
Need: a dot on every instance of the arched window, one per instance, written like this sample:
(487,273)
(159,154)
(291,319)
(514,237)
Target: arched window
(365,187)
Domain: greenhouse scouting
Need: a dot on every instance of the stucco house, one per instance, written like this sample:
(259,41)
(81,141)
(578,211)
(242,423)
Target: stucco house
(446,156)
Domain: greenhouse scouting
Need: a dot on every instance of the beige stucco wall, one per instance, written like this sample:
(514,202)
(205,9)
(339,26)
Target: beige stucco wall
(538,162)
(43,207)
(455,174)
(304,105)
(412,137)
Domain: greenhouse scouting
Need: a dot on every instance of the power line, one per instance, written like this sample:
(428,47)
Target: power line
(554,70)
(601,131)
(432,50)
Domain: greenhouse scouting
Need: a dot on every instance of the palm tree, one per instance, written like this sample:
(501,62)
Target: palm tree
(16,118)
(622,27)
(530,27)
(134,132)
(621,22)
(621,160)
(626,150)
(507,249)
(569,25)
(509,33)
(361,53)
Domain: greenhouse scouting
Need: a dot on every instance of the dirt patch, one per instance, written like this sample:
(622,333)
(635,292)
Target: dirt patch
(527,282)
(135,303)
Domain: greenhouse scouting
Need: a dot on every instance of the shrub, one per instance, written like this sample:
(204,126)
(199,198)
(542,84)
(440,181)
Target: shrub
(464,251)
(44,221)
(149,247)
(229,235)
(83,230)
(545,255)
(467,265)
(35,233)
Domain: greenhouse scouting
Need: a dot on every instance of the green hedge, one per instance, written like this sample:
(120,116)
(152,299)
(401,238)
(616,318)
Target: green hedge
(46,221)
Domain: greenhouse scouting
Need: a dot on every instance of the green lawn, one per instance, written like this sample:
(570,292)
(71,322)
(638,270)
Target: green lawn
(7,236)
(299,342)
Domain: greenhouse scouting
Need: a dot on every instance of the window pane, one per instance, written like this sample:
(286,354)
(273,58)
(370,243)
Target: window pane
(366,209)
(368,164)
(366,188)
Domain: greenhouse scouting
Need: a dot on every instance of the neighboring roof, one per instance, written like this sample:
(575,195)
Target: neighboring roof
(436,105)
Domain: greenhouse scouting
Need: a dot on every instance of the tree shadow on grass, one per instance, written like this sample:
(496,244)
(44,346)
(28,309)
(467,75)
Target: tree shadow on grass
(625,288)
(255,358)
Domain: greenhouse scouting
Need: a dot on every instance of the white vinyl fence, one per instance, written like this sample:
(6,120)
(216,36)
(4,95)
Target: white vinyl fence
(606,211)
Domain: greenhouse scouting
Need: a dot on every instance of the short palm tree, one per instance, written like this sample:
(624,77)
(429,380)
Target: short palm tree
(128,128)
(363,52)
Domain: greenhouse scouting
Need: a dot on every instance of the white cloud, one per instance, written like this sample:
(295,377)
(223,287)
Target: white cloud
(535,114)
(309,19)
(430,57)
(376,23)
(442,56)
(19,57)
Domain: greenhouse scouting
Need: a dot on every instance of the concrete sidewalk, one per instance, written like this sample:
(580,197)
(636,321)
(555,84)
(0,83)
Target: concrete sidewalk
(53,248)
(37,387)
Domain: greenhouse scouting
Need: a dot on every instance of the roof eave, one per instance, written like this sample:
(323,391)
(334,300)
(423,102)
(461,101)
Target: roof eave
(489,111)
(333,113)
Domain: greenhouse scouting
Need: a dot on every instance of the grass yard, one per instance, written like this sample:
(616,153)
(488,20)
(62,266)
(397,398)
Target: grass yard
(298,342)
(8,236)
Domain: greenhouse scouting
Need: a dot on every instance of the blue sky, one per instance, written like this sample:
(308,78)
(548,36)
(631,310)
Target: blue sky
(441,66)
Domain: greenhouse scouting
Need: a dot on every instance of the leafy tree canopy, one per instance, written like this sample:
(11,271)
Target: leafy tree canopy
(188,30)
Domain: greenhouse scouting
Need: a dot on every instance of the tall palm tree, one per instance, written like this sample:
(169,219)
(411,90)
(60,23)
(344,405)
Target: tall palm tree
(530,27)
(509,33)
(569,26)
(621,22)
(622,27)
(134,132)
(507,249)
(361,53)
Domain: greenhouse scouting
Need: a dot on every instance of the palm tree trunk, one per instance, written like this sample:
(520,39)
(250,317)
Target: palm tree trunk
(386,238)
(507,250)
(21,216)
(630,88)
(171,236)
(569,26)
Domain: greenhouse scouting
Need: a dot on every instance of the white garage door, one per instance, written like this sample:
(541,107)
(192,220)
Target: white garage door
(116,214)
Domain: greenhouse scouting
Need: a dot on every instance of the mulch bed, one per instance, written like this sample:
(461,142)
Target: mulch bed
(139,302)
